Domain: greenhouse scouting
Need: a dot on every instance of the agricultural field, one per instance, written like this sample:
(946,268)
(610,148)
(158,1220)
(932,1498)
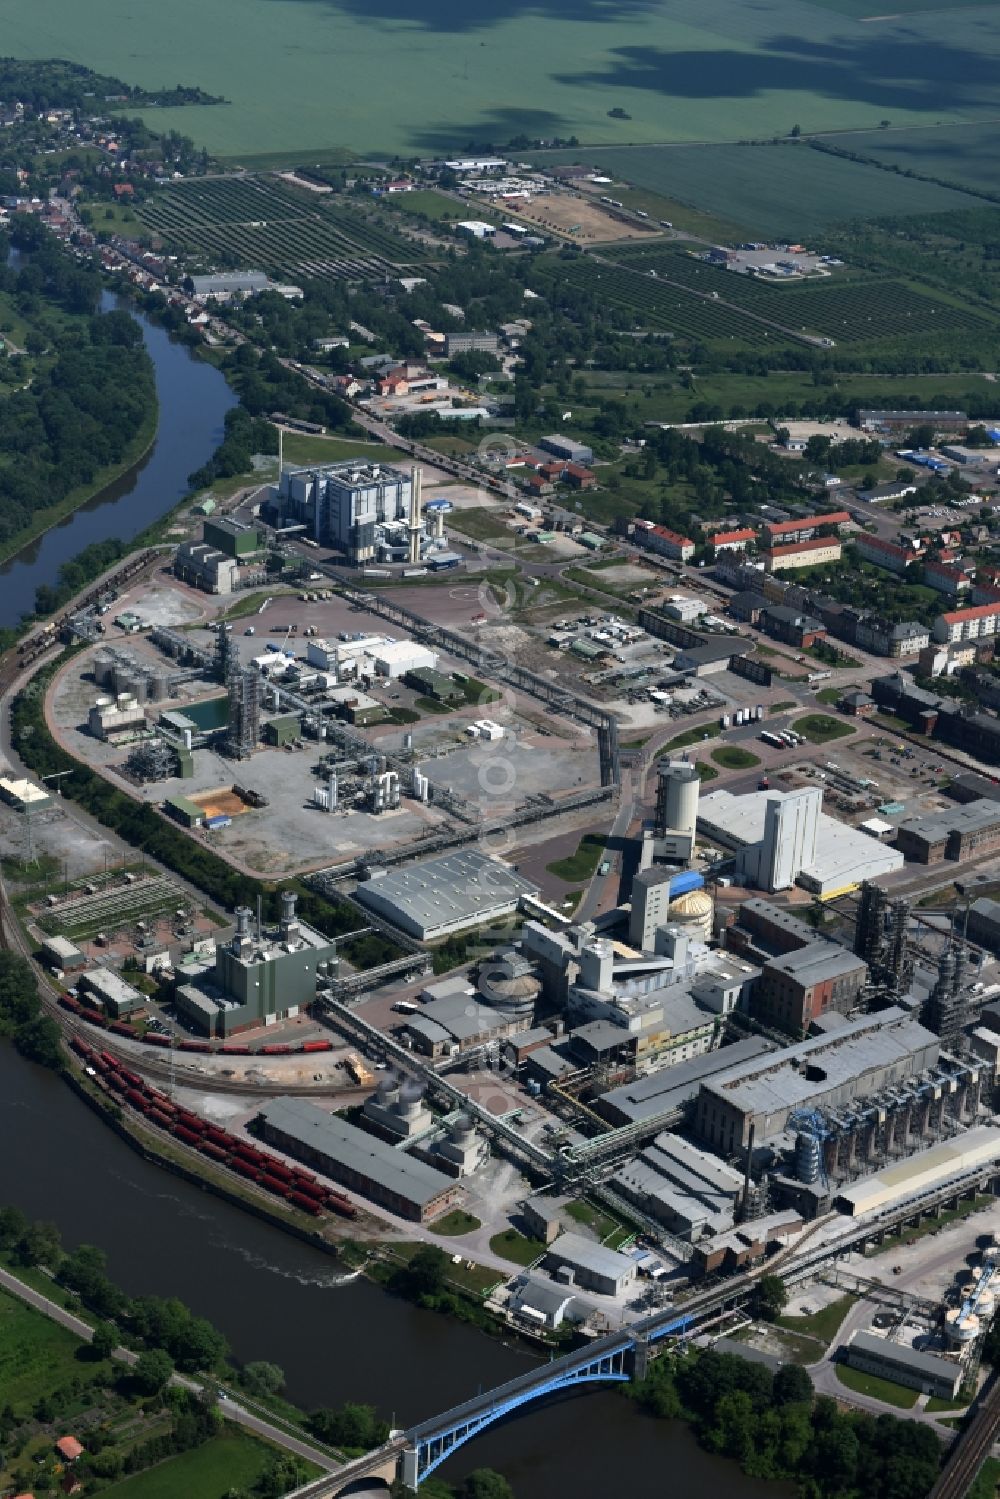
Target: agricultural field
(385,76)
(964,155)
(260,222)
(846,309)
(771,190)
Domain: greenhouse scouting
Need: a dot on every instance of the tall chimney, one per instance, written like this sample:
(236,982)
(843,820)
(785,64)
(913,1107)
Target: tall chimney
(415,524)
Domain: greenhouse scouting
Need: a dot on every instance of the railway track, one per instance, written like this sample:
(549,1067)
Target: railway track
(972,1447)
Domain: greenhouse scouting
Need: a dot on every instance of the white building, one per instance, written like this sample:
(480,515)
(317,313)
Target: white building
(110,716)
(400,656)
(968,624)
(791,827)
(841,856)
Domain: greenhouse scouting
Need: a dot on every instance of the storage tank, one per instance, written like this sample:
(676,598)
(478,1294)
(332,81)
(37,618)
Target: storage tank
(509,982)
(986,1305)
(961,1329)
(694,911)
(807,1158)
(991,1254)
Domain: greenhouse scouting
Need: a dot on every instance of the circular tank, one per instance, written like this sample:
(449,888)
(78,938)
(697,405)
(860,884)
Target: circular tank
(463,1129)
(508,982)
(986,1305)
(807,1158)
(991,1254)
(959,1329)
(678,789)
(387,1091)
(694,910)
(410,1099)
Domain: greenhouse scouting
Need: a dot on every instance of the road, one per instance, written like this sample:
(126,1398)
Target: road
(228,1407)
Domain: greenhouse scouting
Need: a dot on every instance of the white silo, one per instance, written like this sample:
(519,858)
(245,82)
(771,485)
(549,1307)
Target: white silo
(678,786)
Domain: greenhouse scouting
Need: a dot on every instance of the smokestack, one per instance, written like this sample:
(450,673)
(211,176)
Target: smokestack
(415,524)
(289,925)
(747,1178)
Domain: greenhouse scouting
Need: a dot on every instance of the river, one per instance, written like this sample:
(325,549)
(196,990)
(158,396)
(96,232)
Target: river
(194,399)
(273,1297)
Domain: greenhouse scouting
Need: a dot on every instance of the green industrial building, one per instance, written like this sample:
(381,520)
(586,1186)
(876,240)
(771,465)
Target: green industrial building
(434,684)
(186,812)
(233,538)
(281,731)
(260,977)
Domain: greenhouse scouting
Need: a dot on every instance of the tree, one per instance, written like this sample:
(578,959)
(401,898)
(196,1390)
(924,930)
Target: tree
(792,1385)
(40,1244)
(424,1275)
(921,436)
(152,1371)
(105,1340)
(484,1483)
(795,132)
(771,1297)
(262,1378)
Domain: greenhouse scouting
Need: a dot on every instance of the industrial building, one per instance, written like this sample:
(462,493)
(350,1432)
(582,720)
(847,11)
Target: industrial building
(206,568)
(109,990)
(930,1372)
(689,1191)
(566,447)
(796,989)
(662,1093)
(109,718)
(61,954)
(984,924)
(346,1154)
(959,832)
(262,975)
(678,786)
(577,1261)
(370,512)
(860,1059)
(781,838)
(23,795)
(396,1110)
(922,1172)
(457,890)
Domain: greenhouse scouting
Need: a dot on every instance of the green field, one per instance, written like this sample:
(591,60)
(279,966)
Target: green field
(229,1461)
(768,189)
(960,154)
(734,757)
(36,1355)
(306,76)
(290,231)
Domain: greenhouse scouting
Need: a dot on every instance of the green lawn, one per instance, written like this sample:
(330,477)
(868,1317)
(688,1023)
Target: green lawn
(691,736)
(822,1324)
(456,1223)
(36,1355)
(732,757)
(430,705)
(820,728)
(303,447)
(987,1481)
(511,1245)
(781,707)
(230,1460)
(581,865)
(935,1403)
(878,1389)
(830,695)
(705,771)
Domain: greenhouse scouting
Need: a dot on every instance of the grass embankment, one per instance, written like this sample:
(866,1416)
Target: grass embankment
(732,757)
(691,736)
(309,447)
(52,515)
(36,1355)
(876,1388)
(987,1480)
(820,728)
(823,1324)
(582,864)
(513,1246)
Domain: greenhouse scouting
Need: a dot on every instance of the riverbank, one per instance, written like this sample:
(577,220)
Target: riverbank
(53,515)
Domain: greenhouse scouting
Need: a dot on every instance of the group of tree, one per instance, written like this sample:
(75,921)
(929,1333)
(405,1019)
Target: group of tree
(87,399)
(772,1425)
(34,1034)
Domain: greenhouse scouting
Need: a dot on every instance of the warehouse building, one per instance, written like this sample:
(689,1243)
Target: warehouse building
(458,890)
(204,567)
(577,1261)
(860,1058)
(946,1161)
(357,1160)
(61,954)
(959,832)
(566,447)
(110,991)
(930,1372)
